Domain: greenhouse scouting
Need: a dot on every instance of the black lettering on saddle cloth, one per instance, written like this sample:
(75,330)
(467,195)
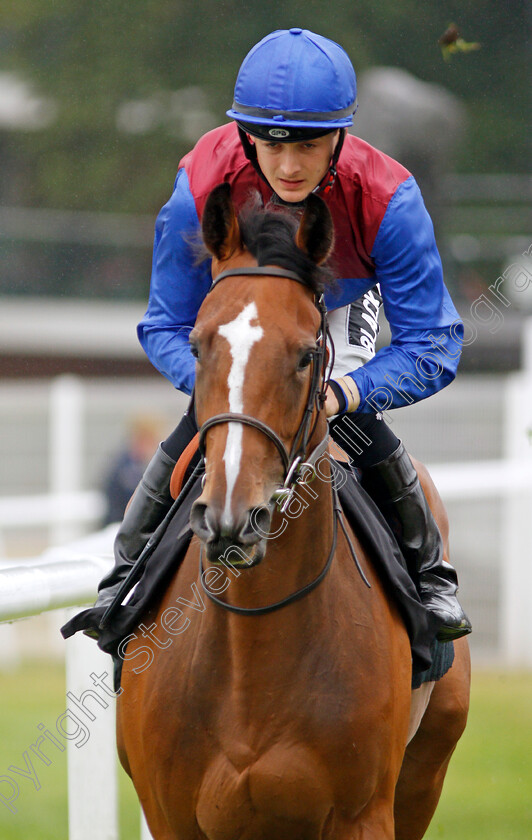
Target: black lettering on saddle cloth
(363,326)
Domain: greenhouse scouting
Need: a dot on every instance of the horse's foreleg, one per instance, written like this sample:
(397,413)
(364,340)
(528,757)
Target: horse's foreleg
(158,824)
(428,754)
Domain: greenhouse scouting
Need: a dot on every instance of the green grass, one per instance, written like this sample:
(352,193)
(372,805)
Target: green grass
(488,789)
(487,794)
(30,695)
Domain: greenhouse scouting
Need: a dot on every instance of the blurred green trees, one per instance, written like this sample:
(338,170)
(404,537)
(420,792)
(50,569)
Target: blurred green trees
(133,81)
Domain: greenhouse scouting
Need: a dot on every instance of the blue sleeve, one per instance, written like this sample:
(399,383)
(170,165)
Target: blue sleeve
(178,287)
(426,331)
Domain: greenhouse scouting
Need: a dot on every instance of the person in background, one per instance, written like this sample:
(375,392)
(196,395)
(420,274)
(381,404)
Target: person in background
(129,464)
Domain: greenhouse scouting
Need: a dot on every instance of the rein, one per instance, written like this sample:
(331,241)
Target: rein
(295,463)
(295,596)
(305,590)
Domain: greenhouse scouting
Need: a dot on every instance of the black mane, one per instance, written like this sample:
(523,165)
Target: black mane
(270,237)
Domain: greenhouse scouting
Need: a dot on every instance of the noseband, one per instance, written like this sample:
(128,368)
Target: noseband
(296,462)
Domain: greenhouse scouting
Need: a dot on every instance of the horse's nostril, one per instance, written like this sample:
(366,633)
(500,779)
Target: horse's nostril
(257,525)
(253,527)
(198,521)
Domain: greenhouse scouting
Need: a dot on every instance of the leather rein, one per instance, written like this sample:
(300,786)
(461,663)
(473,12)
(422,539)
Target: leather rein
(296,463)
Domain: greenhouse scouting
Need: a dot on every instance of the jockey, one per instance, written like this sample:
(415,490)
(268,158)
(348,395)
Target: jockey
(295,97)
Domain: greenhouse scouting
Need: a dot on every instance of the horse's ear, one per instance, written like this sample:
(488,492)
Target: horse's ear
(219,225)
(316,230)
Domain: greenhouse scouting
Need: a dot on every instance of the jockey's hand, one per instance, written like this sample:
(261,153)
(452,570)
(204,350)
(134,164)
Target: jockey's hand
(351,392)
(331,403)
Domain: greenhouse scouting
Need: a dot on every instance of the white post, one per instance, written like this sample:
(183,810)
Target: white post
(65,464)
(92,776)
(516,571)
(92,761)
(65,447)
(526,355)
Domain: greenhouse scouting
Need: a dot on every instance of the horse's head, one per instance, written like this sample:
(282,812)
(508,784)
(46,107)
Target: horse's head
(259,372)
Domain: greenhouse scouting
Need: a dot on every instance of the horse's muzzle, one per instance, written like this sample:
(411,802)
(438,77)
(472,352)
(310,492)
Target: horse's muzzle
(237,543)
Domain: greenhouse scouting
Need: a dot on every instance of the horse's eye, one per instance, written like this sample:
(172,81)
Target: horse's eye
(305,360)
(194,350)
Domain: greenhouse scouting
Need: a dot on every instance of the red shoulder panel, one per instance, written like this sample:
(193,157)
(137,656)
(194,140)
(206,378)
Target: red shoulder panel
(367,180)
(218,156)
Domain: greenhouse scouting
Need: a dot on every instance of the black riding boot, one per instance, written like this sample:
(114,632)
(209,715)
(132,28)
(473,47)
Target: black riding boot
(148,506)
(394,486)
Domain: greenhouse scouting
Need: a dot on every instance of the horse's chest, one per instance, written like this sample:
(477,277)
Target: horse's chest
(277,742)
(278,756)
(282,794)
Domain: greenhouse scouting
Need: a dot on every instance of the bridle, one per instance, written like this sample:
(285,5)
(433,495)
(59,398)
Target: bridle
(296,466)
(297,462)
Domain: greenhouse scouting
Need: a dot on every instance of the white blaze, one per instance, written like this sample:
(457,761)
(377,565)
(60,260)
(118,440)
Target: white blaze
(241,336)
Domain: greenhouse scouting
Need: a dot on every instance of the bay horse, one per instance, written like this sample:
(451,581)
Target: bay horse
(284,710)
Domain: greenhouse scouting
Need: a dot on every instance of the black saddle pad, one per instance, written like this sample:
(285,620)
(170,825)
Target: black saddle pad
(430,659)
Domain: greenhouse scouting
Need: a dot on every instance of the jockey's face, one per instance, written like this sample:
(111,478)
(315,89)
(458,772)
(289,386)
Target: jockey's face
(293,170)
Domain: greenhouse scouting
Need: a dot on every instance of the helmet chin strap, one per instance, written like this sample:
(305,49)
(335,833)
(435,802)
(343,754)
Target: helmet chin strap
(250,151)
(330,175)
(326,183)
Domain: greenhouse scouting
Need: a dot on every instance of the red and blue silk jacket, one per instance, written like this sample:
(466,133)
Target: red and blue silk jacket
(383,234)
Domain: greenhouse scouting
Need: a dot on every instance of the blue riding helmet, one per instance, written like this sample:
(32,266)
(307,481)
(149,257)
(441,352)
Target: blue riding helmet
(294,79)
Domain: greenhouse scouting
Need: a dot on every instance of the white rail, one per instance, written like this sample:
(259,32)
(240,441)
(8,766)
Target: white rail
(68,577)
(30,589)
(481,479)
(82,508)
